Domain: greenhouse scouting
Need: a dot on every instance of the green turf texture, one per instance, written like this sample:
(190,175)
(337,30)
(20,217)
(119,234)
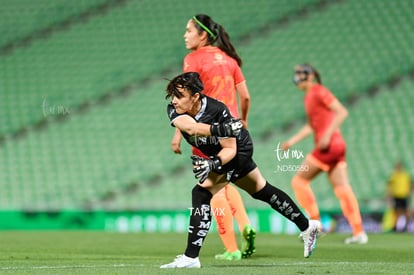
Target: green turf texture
(86,252)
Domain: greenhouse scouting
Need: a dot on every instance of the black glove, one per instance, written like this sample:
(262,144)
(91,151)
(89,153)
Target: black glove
(203,167)
(229,128)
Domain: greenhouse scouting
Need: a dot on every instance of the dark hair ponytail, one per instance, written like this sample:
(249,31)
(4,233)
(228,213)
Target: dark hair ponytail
(216,35)
(310,69)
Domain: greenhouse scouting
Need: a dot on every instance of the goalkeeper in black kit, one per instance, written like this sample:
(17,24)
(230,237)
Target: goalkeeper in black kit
(207,124)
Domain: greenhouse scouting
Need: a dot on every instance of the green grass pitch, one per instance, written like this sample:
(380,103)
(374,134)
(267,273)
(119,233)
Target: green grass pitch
(86,252)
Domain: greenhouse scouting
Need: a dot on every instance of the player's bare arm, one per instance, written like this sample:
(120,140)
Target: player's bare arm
(228,151)
(244,99)
(188,125)
(340,115)
(304,132)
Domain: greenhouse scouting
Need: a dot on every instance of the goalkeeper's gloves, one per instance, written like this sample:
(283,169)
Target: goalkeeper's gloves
(203,167)
(229,128)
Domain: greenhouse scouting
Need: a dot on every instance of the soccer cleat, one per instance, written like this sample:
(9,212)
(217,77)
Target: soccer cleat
(361,238)
(229,256)
(309,237)
(300,237)
(249,235)
(321,234)
(182,261)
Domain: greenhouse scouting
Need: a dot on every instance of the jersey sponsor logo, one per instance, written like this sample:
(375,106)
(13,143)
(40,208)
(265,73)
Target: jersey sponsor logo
(200,141)
(219,59)
(171,113)
(218,56)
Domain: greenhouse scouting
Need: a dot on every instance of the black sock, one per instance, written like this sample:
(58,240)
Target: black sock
(200,220)
(282,203)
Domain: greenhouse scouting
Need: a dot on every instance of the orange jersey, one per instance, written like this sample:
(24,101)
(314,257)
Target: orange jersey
(219,73)
(317,102)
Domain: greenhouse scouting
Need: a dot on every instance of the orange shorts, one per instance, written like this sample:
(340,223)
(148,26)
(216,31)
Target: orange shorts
(329,158)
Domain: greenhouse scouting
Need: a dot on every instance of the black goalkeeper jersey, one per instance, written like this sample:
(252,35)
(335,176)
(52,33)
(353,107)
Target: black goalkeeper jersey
(212,111)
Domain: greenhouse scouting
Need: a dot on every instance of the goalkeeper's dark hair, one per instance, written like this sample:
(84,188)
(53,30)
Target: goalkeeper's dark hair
(217,35)
(190,81)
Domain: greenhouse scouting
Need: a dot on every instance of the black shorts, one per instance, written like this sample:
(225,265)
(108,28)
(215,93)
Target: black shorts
(242,164)
(400,203)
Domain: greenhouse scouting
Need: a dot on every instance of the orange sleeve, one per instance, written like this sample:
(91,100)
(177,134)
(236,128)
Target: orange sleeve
(326,96)
(189,64)
(238,76)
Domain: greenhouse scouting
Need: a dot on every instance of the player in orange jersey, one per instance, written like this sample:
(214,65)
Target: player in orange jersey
(325,115)
(215,59)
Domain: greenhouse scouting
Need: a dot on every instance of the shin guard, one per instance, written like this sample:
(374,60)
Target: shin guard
(200,220)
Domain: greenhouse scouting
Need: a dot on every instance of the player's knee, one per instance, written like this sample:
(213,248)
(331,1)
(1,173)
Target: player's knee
(298,182)
(341,190)
(201,194)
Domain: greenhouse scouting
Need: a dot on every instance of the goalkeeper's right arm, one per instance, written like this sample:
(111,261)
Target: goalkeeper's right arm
(230,128)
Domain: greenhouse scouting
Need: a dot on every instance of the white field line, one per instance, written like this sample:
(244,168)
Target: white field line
(68,266)
(320,264)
